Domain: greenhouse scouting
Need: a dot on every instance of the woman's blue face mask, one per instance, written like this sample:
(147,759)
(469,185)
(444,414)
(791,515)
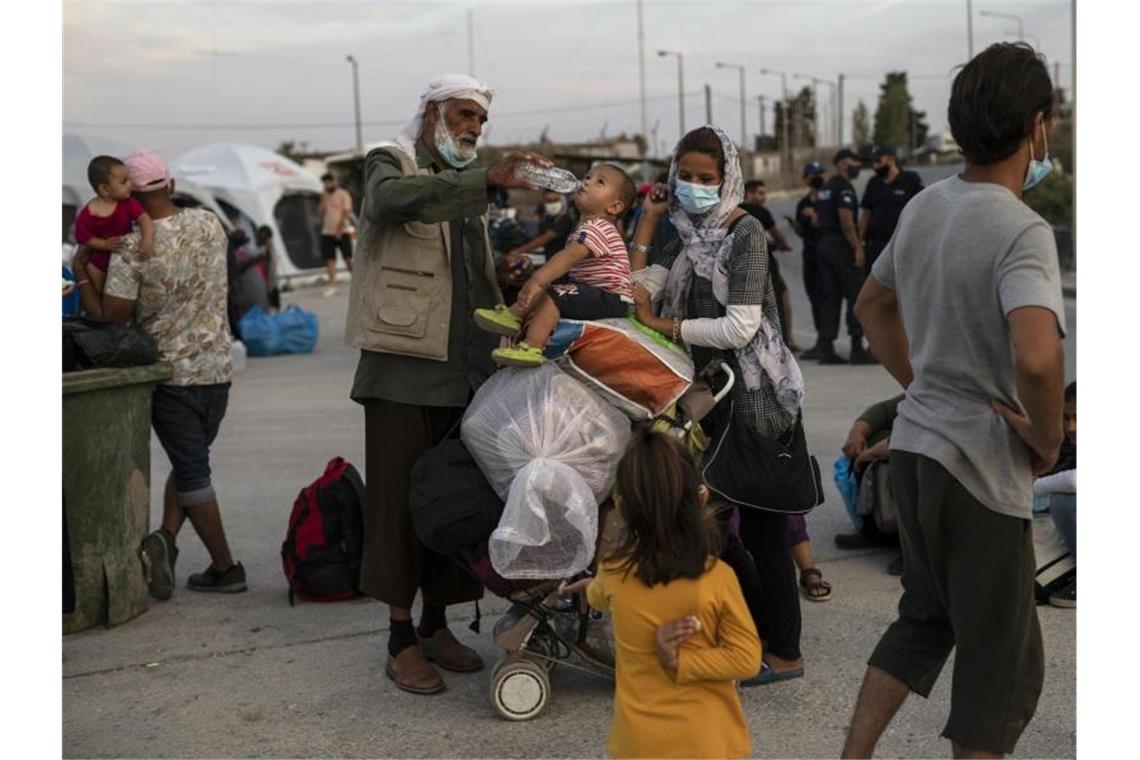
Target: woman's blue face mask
(697,199)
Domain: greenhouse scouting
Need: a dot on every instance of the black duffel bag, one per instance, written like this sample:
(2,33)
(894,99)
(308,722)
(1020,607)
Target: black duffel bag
(770,474)
(454,508)
(92,344)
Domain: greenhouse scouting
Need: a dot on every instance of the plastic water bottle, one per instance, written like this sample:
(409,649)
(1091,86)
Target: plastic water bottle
(237,356)
(552,178)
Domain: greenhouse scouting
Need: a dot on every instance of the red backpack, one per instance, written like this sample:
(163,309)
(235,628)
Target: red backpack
(322,548)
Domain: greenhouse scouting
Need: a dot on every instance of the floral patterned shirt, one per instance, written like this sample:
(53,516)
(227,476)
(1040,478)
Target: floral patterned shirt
(180,294)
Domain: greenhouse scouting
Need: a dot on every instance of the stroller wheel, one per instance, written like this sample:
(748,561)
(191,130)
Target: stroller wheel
(520,688)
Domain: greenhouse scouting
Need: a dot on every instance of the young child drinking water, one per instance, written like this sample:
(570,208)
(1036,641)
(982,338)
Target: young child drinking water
(682,631)
(588,279)
(109,216)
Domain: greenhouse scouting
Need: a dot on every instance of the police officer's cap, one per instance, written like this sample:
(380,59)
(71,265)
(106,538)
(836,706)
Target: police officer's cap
(813,167)
(846,153)
(879,151)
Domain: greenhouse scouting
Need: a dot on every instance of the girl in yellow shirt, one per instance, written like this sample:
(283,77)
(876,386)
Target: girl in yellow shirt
(682,631)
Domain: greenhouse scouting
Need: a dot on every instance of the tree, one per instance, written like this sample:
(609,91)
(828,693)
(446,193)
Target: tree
(917,128)
(802,111)
(860,126)
(292,150)
(893,115)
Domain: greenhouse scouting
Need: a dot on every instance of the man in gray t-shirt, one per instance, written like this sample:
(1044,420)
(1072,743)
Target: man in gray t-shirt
(964,309)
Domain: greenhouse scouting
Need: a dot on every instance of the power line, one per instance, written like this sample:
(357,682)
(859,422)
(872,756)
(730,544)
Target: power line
(342,125)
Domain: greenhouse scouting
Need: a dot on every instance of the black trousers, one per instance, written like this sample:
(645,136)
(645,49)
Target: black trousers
(395,564)
(762,560)
(811,282)
(840,280)
(967,585)
(872,251)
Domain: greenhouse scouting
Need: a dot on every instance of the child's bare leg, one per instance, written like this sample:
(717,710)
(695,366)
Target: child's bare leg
(543,319)
(96,276)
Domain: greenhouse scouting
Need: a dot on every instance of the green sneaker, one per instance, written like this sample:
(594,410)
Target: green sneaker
(499,320)
(521,355)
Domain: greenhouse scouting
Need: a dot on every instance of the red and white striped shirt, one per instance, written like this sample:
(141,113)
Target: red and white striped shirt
(607,266)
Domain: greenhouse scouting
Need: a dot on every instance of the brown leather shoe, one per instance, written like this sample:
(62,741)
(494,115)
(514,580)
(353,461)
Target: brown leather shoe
(411,672)
(445,650)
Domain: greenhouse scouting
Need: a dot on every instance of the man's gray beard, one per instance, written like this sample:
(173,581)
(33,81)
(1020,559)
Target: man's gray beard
(442,135)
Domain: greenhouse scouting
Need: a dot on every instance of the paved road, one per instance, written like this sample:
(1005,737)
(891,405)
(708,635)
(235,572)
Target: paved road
(210,676)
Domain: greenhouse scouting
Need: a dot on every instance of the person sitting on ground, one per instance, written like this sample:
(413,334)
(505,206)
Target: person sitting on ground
(812,585)
(263,239)
(588,279)
(1059,489)
(870,440)
(683,633)
(111,214)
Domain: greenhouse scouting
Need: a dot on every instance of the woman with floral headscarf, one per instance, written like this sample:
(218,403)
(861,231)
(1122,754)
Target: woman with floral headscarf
(719,300)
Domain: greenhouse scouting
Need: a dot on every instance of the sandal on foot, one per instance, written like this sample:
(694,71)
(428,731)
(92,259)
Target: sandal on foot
(521,355)
(499,320)
(811,589)
(768,675)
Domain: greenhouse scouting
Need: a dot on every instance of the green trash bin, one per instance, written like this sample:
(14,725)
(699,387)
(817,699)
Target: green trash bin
(106,486)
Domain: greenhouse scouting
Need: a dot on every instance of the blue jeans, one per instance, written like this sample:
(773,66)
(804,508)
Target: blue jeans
(1063,509)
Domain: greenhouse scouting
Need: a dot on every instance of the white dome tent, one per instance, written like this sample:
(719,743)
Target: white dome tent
(78,150)
(255,186)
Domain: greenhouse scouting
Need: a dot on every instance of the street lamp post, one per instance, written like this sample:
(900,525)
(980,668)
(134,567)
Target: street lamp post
(1011,17)
(784,145)
(816,81)
(680,88)
(743,103)
(356,101)
(1037,40)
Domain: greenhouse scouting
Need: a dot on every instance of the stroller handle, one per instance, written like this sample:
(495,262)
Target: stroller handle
(729,382)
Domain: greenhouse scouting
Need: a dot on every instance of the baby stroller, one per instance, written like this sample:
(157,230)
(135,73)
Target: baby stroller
(545,628)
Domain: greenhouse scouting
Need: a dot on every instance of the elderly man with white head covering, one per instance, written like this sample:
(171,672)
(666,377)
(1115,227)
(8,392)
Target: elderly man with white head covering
(424,264)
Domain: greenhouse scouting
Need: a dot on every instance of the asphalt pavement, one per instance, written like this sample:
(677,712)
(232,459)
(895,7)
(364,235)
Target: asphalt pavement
(247,675)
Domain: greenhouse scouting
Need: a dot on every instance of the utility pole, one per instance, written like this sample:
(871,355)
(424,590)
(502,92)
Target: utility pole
(708,104)
(762,99)
(470,42)
(840,145)
(743,102)
(970,28)
(356,102)
(680,87)
(641,82)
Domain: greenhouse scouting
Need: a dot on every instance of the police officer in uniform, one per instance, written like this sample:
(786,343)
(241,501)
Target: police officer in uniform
(841,260)
(887,192)
(804,223)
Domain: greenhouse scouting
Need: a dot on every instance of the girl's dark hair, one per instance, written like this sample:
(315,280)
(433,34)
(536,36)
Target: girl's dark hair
(702,140)
(995,99)
(668,533)
(1071,392)
(264,232)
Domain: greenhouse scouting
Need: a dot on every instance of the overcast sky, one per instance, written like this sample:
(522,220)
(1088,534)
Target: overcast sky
(175,75)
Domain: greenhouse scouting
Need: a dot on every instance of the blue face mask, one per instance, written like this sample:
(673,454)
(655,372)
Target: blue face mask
(697,199)
(1037,170)
(445,144)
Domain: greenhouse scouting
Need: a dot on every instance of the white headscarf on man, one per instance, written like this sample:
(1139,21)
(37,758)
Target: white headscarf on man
(705,248)
(446,87)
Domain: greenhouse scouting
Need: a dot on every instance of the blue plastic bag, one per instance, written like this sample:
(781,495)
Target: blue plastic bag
(299,330)
(70,301)
(260,332)
(847,482)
